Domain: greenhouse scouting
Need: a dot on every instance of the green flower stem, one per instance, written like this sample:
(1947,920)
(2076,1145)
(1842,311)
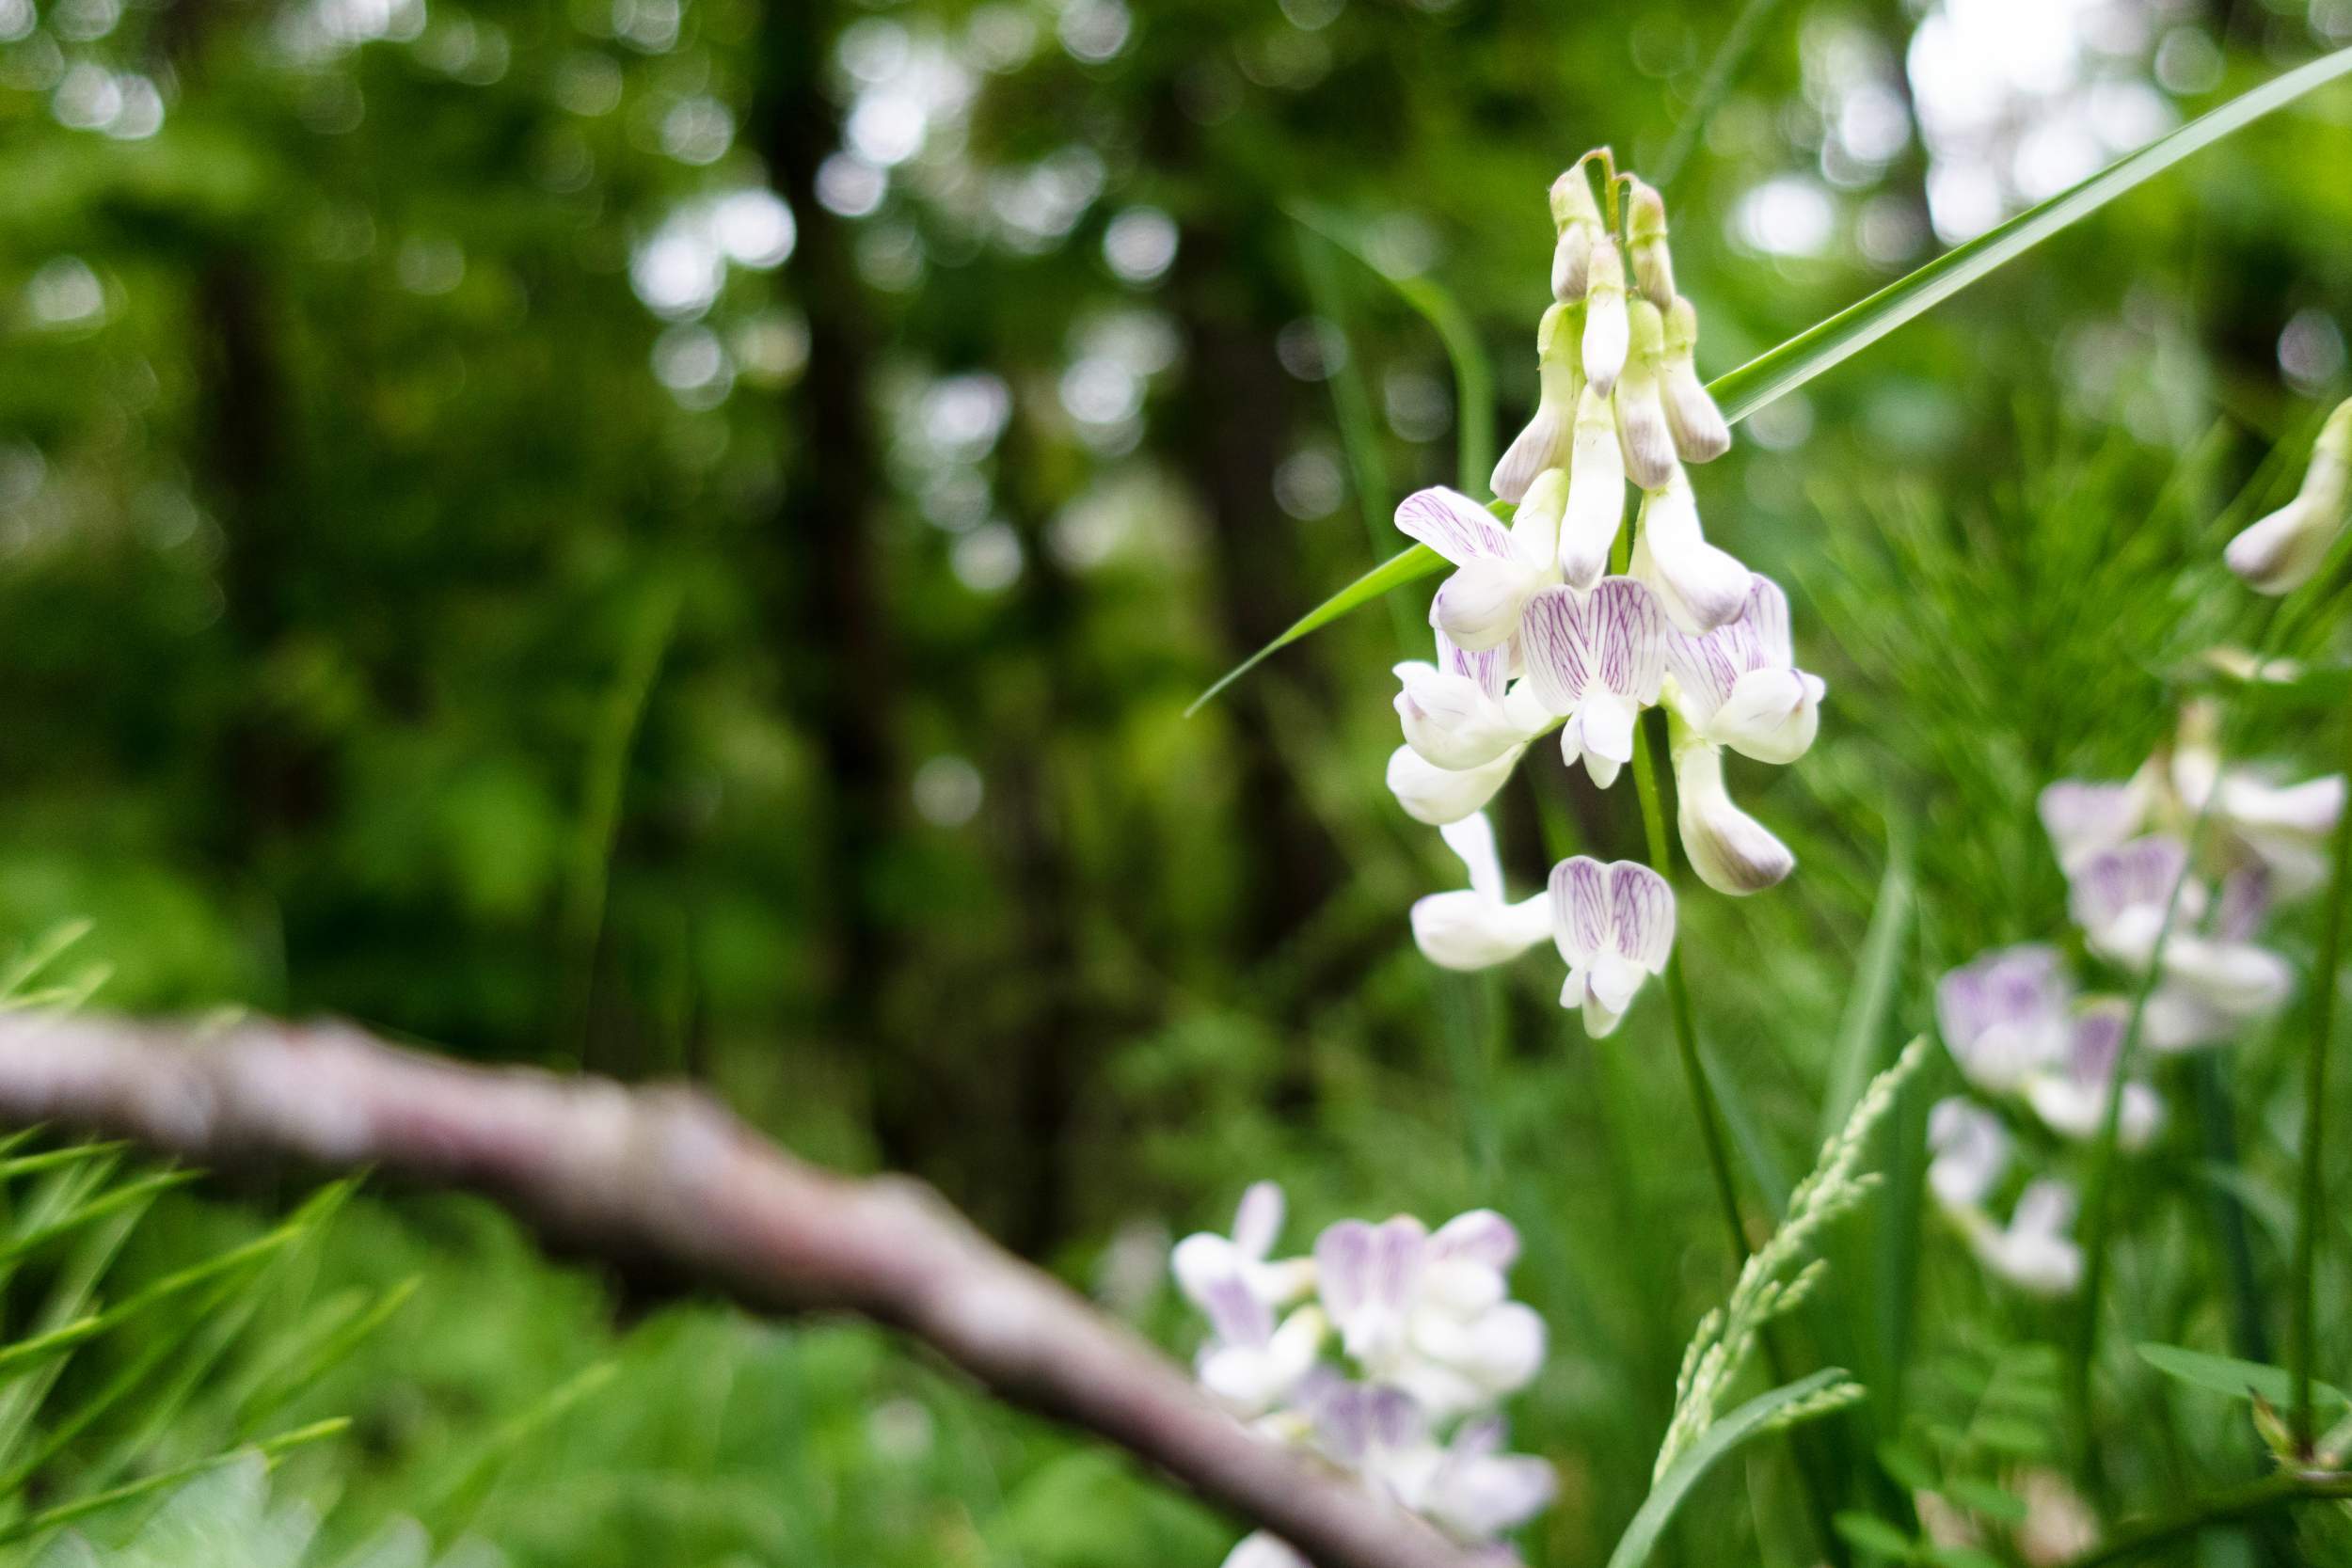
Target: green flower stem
(1710,1117)
(1679,1004)
(2248,1336)
(2325,981)
(2099,1179)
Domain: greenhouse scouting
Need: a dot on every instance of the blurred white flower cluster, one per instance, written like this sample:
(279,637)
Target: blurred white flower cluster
(1534,633)
(2281,552)
(2020,1032)
(1386,1351)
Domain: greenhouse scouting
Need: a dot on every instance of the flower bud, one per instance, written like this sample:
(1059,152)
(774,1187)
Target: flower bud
(1645,233)
(1701,586)
(1439,795)
(1579,218)
(2281,552)
(1596,497)
(1544,443)
(1699,431)
(1649,449)
(1731,851)
(1605,327)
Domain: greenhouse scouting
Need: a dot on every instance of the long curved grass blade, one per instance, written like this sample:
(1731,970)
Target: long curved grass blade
(1783,370)
(1397,570)
(1730,56)
(1473,377)
(1860,325)
(1650,1523)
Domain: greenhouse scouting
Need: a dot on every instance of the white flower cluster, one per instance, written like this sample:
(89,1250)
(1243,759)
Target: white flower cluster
(2019,1031)
(1535,634)
(1386,1351)
(2281,552)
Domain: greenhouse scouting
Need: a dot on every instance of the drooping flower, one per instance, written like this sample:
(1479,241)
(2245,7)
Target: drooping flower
(1479,604)
(1437,795)
(1457,711)
(2070,1096)
(1475,928)
(2035,1251)
(1252,1361)
(1738,685)
(2120,897)
(1969,1150)
(1699,432)
(1542,444)
(1597,659)
(2281,552)
(1615,924)
(2084,819)
(1700,586)
(1642,435)
(2003,1016)
(1731,851)
(1429,1314)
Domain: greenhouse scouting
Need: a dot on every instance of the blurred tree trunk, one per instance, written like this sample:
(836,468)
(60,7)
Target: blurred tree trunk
(266,779)
(822,580)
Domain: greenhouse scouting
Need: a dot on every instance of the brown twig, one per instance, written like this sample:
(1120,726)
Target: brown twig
(665,1176)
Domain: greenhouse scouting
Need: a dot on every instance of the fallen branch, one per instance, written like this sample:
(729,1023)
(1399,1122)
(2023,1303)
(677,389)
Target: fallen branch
(666,1177)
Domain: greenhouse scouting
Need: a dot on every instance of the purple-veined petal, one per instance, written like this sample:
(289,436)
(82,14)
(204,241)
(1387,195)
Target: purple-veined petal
(1641,914)
(1767,620)
(1553,640)
(1628,637)
(1581,924)
(1451,524)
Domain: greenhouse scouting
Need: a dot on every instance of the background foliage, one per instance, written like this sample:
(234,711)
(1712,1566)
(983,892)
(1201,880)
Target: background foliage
(678,535)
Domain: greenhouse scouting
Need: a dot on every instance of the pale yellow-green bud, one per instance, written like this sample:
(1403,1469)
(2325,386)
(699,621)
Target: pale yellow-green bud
(1605,329)
(1646,236)
(1579,223)
(1700,434)
(1642,432)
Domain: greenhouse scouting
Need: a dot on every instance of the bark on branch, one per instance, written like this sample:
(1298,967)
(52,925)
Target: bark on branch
(665,1176)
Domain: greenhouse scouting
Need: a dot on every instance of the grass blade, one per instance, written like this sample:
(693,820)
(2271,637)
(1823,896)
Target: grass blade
(1856,327)
(1873,994)
(1473,377)
(1399,569)
(1860,325)
(1640,1536)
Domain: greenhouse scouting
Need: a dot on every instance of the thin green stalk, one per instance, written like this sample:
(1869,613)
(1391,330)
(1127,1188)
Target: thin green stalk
(1714,87)
(2248,1338)
(2100,1178)
(2324,983)
(1711,1116)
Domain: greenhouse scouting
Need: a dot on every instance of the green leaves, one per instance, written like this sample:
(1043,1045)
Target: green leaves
(1783,369)
(1860,325)
(1759,1414)
(2242,1380)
